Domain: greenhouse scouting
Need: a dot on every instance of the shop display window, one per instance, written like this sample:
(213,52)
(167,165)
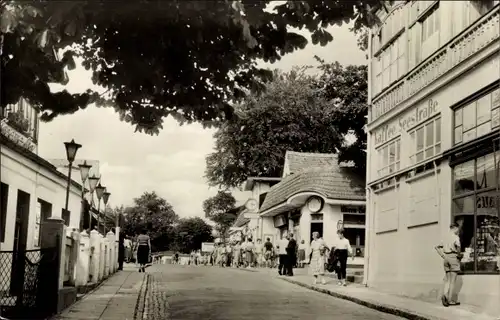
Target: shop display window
(476,208)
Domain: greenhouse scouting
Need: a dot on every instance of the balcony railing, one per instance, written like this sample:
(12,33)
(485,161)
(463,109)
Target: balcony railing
(473,39)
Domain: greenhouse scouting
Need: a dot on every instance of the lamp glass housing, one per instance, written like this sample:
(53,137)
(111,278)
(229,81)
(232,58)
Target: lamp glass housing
(105,197)
(84,170)
(100,191)
(71,149)
(93,183)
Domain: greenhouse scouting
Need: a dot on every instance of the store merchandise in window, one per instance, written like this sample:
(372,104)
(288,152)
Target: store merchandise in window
(476,208)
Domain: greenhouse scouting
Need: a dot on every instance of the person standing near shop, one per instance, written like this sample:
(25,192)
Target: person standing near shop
(281,246)
(343,250)
(291,252)
(450,251)
(317,258)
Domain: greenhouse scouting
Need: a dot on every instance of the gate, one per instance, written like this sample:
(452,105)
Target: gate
(20,289)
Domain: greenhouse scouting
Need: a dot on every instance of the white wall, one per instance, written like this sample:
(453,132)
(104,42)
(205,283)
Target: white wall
(23,174)
(331,216)
(410,220)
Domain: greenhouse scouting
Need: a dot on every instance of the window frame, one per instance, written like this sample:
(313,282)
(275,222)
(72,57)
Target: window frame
(397,158)
(474,194)
(494,114)
(436,146)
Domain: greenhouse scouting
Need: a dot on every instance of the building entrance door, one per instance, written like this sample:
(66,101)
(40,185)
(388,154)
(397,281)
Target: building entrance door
(20,242)
(316,227)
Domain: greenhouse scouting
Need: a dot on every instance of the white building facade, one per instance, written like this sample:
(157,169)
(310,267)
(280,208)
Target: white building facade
(32,189)
(315,194)
(433,146)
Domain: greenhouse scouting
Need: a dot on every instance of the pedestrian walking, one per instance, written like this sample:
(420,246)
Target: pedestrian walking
(317,258)
(259,253)
(291,252)
(302,253)
(450,251)
(128,249)
(250,250)
(343,251)
(281,246)
(143,250)
(229,255)
(237,254)
(268,253)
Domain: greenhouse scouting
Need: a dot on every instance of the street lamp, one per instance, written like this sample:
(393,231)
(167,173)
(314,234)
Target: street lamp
(99,191)
(71,149)
(92,185)
(84,172)
(105,198)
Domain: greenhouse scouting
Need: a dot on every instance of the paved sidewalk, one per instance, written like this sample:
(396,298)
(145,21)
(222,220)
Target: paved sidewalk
(393,304)
(116,299)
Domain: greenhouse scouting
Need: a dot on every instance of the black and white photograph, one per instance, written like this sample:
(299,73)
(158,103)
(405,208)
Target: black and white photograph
(249,160)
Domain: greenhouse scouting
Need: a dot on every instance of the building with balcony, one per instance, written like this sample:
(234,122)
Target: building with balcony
(433,147)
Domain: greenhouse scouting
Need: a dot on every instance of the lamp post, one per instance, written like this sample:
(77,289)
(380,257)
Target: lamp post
(84,173)
(99,191)
(105,198)
(71,149)
(92,185)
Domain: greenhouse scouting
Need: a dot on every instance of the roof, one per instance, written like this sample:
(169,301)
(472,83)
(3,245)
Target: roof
(37,159)
(299,161)
(251,181)
(325,177)
(240,219)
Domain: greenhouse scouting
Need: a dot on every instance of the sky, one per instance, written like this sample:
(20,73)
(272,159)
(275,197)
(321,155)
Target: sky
(173,163)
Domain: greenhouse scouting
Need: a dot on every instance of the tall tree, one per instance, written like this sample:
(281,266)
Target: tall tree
(297,112)
(190,233)
(156,215)
(186,59)
(347,86)
(217,209)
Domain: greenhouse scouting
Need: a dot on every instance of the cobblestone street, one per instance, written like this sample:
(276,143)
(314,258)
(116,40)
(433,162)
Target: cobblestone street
(187,292)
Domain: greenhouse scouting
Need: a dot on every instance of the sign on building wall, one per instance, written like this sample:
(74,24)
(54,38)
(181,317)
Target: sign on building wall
(407,121)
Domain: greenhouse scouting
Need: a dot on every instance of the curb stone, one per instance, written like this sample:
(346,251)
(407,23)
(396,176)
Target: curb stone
(379,307)
(141,300)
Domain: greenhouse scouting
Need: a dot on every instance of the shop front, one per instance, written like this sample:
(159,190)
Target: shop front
(435,163)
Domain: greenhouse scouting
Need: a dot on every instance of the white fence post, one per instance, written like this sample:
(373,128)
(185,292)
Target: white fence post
(95,251)
(83,264)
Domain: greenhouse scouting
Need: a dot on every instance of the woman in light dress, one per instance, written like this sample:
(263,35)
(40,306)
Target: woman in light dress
(237,254)
(317,258)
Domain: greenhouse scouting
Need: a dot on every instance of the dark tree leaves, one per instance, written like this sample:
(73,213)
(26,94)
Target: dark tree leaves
(155,215)
(186,59)
(297,112)
(217,209)
(190,233)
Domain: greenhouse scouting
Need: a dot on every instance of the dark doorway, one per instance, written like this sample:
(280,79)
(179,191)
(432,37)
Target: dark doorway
(20,242)
(316,227)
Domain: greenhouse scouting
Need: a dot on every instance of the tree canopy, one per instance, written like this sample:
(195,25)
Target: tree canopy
(297,112)
(192,60)
(217,209)
(190,233)
(156,216)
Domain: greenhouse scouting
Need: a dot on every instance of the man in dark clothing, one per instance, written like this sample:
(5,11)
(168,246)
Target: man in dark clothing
(291,251)
(121,250)
(268,252)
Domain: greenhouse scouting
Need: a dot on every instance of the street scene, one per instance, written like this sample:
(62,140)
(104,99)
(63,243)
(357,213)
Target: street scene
(250,160)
